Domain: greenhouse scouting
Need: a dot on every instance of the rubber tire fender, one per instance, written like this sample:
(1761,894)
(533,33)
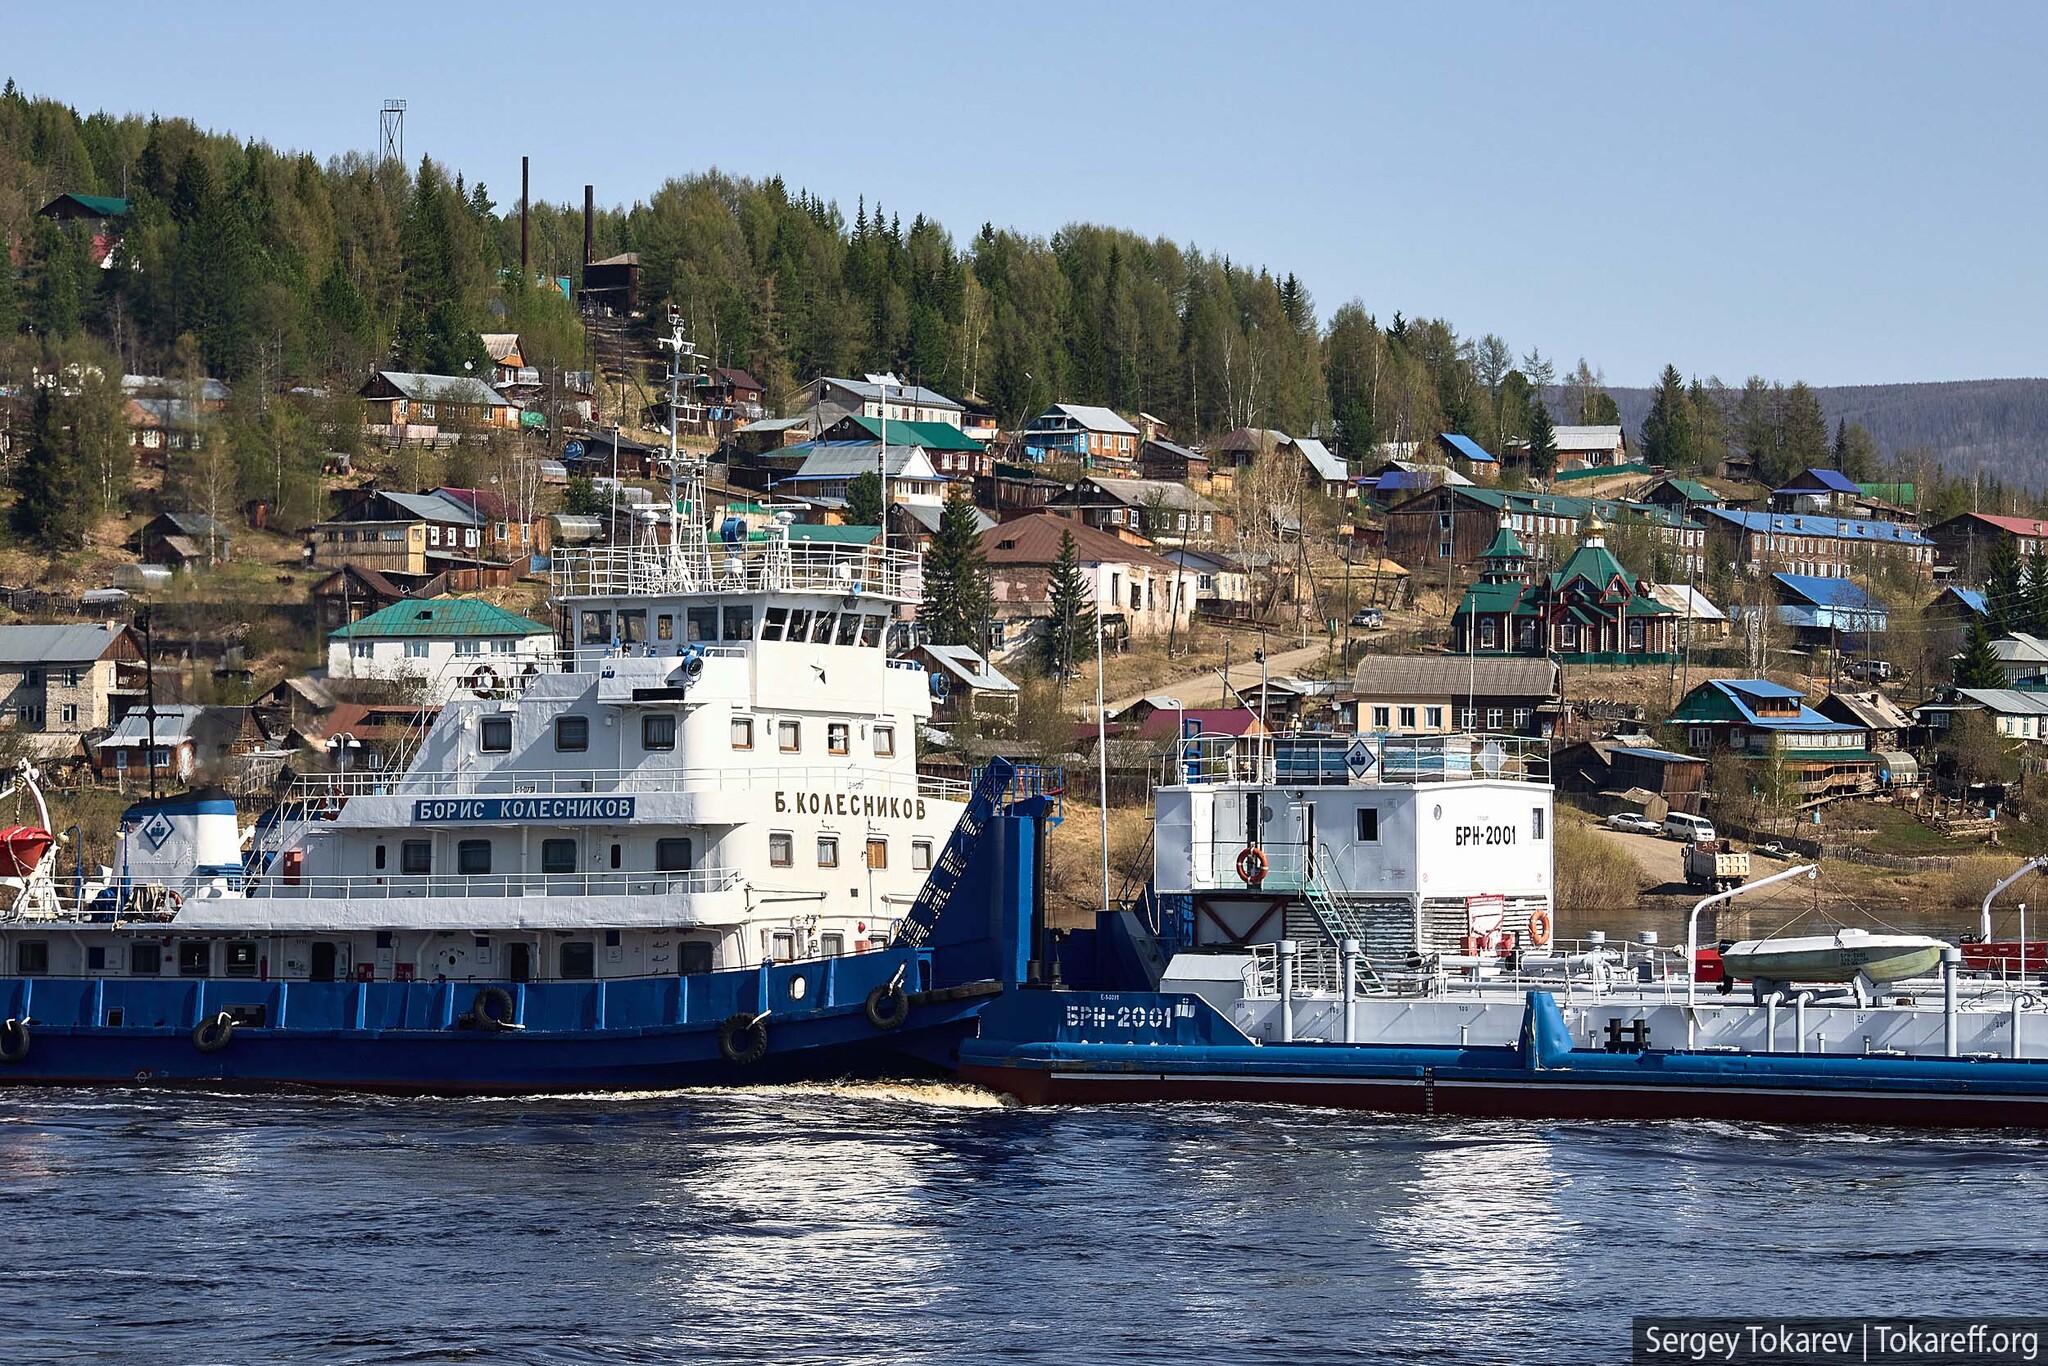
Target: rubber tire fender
(479,1009)
(742,1039)
(13,1040)
(888,1006)
(212,1035)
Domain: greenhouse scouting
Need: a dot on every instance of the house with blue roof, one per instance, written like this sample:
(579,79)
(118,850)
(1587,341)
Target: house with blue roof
(1468,457)
(1817,490)
(1759,543)
(1809,756)
(1826,612)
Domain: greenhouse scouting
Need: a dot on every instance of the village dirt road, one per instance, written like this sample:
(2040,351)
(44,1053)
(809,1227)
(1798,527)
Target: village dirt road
(1657,859)
(1205,689)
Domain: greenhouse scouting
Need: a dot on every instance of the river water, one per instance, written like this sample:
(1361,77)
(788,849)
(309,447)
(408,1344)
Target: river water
(930,1224)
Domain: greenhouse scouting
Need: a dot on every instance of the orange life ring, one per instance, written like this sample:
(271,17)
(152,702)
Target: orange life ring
(1539,928)
(1251,865)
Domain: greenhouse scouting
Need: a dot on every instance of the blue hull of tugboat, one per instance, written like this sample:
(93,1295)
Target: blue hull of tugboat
(1057,1047)
(418,1037)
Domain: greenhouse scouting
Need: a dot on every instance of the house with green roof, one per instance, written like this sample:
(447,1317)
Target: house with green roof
(1590,611)
(953,453)
(448,647)
(1458,522)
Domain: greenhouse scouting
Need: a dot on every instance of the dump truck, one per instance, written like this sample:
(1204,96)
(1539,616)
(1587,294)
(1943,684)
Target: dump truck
(1714,866)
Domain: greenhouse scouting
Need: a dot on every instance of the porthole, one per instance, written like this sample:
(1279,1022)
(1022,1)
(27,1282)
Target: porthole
(797,987)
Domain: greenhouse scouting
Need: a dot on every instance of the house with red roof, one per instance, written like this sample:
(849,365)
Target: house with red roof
(1135,591)
(1964,543)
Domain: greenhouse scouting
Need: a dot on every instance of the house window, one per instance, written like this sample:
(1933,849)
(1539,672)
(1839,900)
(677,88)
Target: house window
(1382,718)
(415,649)
(878,853)
(472,857)
(572,733)
(781,849)
(558,856)
(1568,635)
(494,734)
(742,732)
(1522,718)
(1407,718)
(69,713)
(416,858)
(885,742)
(674,855)
(468,648)
(1488,635)
(837,737)
(1699,737)
(1433,717)
(360,649)
(1493,718)
(1368,825)
(789,736)
(658,731)
(920,854)
(1443,550)
(828,851)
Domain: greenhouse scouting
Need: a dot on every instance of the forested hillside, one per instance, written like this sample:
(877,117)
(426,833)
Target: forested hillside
(284,275)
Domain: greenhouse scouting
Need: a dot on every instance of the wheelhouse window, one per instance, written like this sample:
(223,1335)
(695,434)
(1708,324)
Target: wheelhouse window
(837,737)
(781,849)
(558,856)
(658,731)
(195,958)
(673,854)
(789,736)
(871,630)
(416,858)
(572,734)
(633,626)
(849,629)
(494,734)
(739,623)
(828,851)
(742,732)
(472,857)
(774,621)
(703,623)
(32,957)
(821,633)
(885,742)
(799,623)
(597,628)
(578,961)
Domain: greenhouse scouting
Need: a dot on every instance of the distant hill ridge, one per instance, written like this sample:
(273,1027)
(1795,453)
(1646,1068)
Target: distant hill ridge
(1996,425)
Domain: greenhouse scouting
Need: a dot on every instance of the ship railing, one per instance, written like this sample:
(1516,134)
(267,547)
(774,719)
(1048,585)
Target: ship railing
(1317,970)
(772,566)
(390,887)
(325,791)
(1325,760)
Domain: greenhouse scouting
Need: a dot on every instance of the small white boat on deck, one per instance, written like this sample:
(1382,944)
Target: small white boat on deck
(1843,956)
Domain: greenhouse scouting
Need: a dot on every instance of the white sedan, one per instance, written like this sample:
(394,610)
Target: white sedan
(1634,824)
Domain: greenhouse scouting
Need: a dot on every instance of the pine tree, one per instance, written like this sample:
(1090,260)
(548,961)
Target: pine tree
(1806,430)
(957,596)
(2005,587)
(1072,619)
(1542,441)
(864,499)
(53,492)
(1668,430)
(1977,666)
(2035,618)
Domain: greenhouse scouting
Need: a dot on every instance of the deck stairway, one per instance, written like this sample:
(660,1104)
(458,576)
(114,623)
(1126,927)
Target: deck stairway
(999,786)
(1323,917)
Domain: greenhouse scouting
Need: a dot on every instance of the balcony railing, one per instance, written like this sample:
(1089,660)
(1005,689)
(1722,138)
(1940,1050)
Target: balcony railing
(332,788)
(1344,760)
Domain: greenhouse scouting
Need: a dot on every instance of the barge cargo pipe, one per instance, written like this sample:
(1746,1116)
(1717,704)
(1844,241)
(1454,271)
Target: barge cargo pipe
(1984,915)
(1692,922)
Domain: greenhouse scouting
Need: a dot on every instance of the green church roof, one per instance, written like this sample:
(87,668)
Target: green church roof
(1506,545)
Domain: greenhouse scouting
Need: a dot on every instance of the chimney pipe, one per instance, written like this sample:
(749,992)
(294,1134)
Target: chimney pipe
(589,220)
(525,263)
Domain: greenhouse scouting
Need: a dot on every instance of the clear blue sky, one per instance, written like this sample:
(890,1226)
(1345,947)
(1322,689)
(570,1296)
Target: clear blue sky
(1844,193)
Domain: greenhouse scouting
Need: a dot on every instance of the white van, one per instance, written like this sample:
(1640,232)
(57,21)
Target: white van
(1692,829)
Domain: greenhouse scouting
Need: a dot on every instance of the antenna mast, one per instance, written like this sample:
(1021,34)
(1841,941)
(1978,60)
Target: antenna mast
(391,131)
(686,535)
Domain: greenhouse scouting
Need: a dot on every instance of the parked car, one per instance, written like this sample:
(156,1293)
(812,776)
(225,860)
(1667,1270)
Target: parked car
(1368,618)
(1633,824)
(1680,825)
(1872,670)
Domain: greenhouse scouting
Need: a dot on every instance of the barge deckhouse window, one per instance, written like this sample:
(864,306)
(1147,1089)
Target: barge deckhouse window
(494,734)
(472,857)
(658,731)
(672,855)
(32,957)
(241,958)
(572,733)
(885,742)
(145,960)
(1368,825)
(195,958)
(558,856)
(579,960)
(416,858)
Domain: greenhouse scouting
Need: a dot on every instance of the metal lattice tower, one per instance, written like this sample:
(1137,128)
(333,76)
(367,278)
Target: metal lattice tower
(391,131)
